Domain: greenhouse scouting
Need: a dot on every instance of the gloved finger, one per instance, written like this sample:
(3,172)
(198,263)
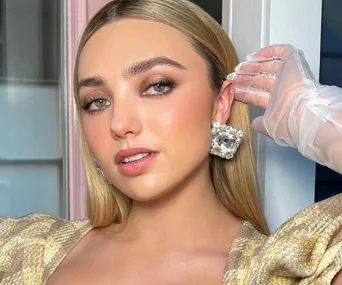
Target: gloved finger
(255,68)
(262,81)
(248,68)
(252,96)
(271,67)
(258,125)
(271,53)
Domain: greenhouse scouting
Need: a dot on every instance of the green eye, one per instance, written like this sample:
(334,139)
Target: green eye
(159,87)
(93,105)
(100,103)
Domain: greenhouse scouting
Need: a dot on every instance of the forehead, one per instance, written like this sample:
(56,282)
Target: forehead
(124,42)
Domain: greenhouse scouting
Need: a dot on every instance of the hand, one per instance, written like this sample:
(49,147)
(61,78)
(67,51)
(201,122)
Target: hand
(299,112)
(273,78)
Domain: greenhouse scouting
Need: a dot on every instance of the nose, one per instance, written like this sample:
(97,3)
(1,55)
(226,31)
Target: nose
(126,120)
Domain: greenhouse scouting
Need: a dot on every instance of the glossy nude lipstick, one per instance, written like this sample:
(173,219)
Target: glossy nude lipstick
(134,161)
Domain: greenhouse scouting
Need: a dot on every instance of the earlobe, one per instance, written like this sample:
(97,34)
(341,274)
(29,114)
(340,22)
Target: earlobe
(223,103)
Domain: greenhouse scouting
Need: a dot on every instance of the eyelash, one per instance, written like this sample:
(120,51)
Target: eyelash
(163,82)
(87,103)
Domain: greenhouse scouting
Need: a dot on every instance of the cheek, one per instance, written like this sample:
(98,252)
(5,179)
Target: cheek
(187,124)
(95,131)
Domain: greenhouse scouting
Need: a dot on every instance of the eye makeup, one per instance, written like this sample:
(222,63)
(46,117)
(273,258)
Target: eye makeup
(95,103)
(154,88)
(159,87)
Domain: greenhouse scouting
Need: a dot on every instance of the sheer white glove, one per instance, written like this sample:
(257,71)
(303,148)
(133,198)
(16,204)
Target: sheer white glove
(299,112)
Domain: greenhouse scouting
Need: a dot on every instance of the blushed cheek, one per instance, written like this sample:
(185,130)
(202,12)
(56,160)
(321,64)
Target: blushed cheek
(187,123)
(95,136)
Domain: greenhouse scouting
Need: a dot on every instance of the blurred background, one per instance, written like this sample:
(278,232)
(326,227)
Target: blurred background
(33,149)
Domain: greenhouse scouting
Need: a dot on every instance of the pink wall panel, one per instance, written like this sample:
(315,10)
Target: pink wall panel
(77,19)
(79,13)
(94,6)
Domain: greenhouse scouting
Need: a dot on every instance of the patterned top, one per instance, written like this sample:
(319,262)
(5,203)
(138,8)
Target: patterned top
(305,250)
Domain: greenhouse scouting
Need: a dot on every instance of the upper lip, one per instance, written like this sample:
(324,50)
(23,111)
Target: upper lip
(122,154)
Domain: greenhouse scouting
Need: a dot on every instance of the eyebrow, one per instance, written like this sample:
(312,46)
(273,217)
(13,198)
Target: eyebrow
(146,65)
(134,70)
(94,81)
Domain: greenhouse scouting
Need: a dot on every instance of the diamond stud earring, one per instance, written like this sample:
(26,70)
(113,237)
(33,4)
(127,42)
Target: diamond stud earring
(99,170)
(225,140)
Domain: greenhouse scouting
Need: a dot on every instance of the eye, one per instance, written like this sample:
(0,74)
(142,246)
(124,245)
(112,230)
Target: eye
(159,88)
(95,105)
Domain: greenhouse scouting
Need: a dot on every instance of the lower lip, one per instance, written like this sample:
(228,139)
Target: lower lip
(137,167)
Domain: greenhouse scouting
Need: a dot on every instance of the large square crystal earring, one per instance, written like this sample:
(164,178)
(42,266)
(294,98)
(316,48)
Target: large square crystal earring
(225,140)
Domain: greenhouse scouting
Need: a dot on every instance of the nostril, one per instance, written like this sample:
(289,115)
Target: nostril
(125,128)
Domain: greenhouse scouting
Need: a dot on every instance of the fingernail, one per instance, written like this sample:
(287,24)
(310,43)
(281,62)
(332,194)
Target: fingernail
(231,76)
(238,67)
(258,57)
(251,56)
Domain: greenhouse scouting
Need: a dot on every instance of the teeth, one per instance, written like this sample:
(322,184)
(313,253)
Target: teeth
(135,157)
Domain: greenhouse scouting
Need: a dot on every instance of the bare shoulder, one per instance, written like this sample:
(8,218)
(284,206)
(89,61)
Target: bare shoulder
(338,279)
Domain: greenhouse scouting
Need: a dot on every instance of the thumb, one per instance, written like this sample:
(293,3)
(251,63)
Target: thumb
(258,125)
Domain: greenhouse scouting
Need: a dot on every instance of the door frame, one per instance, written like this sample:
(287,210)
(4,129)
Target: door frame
(287,179)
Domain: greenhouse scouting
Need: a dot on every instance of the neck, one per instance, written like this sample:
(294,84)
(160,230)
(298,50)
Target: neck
(191,213)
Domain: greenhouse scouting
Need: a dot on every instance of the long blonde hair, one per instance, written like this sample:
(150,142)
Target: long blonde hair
(235,181)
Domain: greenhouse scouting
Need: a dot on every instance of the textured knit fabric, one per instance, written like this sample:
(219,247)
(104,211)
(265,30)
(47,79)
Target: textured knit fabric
(305,250)
(33,246)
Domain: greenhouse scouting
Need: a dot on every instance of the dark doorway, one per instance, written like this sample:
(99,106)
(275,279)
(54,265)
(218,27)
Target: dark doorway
(213,8)
(328,182)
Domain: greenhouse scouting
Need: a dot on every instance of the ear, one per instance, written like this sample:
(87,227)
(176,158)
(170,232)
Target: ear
(223,103)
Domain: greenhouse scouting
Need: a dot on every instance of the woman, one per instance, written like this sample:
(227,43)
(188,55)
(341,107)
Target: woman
(149,85)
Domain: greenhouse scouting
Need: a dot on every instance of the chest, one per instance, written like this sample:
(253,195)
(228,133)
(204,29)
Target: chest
(170,268)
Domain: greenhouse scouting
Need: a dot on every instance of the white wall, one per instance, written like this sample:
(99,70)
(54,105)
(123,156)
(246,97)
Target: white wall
(286,178)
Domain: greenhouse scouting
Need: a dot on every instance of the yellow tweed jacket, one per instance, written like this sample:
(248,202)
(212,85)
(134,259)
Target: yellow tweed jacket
(305,250)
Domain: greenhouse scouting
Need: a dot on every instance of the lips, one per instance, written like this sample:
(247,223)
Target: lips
(125,153)
(131,162)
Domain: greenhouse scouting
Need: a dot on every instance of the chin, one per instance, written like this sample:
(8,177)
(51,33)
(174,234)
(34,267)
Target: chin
(145,189)
(147,195)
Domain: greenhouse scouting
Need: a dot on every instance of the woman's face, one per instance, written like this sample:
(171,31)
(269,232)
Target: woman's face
(147,107)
